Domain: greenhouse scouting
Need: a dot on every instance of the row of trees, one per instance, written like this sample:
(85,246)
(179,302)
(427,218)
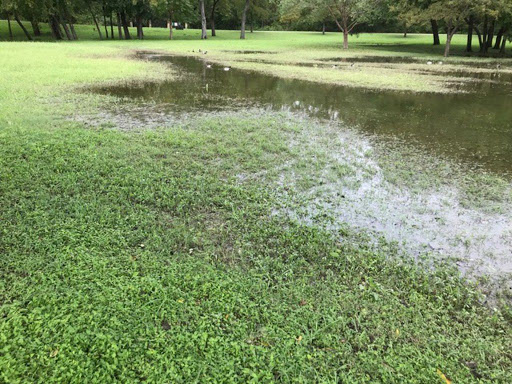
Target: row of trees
(116,16)
(489,20)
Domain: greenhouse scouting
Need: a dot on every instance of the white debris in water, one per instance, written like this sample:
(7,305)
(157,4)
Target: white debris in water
(432,221)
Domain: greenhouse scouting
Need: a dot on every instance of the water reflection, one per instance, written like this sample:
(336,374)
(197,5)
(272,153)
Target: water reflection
(475,128)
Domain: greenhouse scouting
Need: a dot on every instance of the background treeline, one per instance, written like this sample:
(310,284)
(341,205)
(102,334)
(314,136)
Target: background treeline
(489,21)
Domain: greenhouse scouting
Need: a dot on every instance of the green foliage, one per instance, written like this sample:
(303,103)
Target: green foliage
(178,9)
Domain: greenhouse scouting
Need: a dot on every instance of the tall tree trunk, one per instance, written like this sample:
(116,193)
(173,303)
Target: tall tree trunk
(499,36)
(35,27)
(105,22)
(55,27)
(490,36)
(469,44)
(66,29)
(65,26)
(485,33)
(69,19)
(212,18)
(244,18)
(405,33)
(171,18)
(119,27)
(503,43)
(111,26)
(73,31)
(343,26)
(140,31)
(480,41)
(126,29)
(323,28)
(447,47)
(17,18)
(212,25)
(449,35)
(95,22)
(435,32)
(9,25)
(204,34)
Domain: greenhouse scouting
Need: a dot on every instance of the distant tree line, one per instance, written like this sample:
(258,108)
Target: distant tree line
(113,18)
(490,21)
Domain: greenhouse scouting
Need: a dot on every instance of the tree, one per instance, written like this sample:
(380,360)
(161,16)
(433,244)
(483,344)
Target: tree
(141,11)
(213,9)
(173,10)
(263,12)
(422,15)
(453,13)
(490,14)
(204,34)
(90,6)
(407,12)
(14,8)
(348,14)
(244,18)
(303,13)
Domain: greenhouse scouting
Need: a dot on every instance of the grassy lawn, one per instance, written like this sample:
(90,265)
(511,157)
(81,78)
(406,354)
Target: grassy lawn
(140,256)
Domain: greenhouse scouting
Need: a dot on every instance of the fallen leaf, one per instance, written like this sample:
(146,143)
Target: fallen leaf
(54,353)
(299,339)
(443,377)
(181,301)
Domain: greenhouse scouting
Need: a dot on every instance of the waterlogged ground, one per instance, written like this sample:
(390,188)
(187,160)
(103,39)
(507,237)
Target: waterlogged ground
(427,173)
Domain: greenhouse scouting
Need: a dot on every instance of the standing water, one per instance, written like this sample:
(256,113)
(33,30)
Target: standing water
(377,131)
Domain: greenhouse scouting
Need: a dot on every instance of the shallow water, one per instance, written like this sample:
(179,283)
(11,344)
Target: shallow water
(471,133)
(474,128)
(414,60)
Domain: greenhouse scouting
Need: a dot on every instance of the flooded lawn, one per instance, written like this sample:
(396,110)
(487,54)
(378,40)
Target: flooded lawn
(430,173)
(475,128)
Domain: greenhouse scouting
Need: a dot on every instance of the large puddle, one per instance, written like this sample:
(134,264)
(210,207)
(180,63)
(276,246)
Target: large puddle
(475,128)
(373,132)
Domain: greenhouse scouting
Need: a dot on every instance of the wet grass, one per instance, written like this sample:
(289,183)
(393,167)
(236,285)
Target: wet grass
(144,257)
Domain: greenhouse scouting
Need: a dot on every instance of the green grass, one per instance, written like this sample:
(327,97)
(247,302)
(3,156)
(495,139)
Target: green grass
(141,256)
